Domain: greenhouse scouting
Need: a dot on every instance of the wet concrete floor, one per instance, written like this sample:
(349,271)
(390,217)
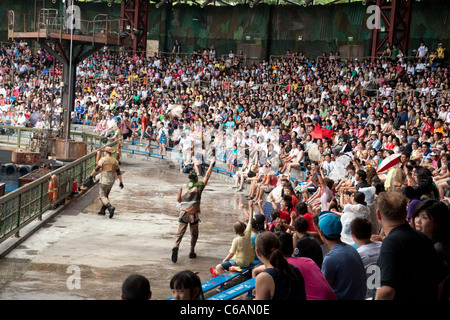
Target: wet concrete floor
(79,255)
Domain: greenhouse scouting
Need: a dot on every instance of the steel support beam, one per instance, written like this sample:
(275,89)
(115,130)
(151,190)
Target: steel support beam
(69,62)
(395,26)
(135,19)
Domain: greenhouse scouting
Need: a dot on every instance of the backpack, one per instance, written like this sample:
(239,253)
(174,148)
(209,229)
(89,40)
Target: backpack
(397,123)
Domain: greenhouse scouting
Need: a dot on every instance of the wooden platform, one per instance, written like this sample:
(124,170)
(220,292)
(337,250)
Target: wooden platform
(97,38)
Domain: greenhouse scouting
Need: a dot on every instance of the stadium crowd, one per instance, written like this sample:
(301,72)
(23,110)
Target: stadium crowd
(309,135)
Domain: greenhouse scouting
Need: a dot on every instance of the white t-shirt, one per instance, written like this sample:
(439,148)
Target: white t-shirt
(21,120)
(350,212)
(410,70)
(420,67)
(294,152)
(110,123)
(185,144)
(422,51)
(328,167)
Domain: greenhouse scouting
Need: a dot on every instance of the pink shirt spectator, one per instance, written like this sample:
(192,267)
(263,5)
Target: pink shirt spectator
(316,286)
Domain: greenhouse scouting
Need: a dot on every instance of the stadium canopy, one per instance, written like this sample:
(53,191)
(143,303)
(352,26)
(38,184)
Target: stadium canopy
(251,3)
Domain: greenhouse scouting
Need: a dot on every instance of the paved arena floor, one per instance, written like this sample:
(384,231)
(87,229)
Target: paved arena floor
(79,255)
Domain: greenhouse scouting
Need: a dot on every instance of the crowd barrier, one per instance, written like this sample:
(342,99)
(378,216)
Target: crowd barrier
(24,137)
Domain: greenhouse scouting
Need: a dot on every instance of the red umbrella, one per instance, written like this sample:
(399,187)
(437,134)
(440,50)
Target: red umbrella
(320,133)
(389,162)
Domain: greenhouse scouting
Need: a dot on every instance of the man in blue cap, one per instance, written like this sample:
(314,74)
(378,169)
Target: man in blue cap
(342,265)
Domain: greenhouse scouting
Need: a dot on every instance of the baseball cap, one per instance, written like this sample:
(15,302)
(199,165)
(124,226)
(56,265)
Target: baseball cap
(330,224)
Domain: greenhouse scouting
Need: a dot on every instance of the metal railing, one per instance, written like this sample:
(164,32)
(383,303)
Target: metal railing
(51,21)
(21,136)
(29,202)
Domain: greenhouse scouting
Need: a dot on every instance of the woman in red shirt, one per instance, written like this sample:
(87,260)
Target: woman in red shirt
(389,144)
(289,191)
(302,210)
(428,126)
(285,210)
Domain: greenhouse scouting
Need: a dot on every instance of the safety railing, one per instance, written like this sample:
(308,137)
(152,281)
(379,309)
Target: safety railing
(29,202)
(51,21)
(367,58)
(240,57)
(103,24)
(20,22)
(22,136)
(185,55)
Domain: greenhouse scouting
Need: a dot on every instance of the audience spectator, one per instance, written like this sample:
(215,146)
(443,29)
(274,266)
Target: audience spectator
(361,231)
(136,287)
(199,102)
(279,280)
(353,208)
(241,253)
(186,285)
(306,245)
(410,267)
(316,286)
(432,217)
(342,265)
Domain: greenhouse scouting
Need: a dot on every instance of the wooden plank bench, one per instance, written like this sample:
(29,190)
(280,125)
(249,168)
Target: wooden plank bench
(237,290)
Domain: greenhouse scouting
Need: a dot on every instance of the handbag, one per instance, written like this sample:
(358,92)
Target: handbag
(89,182)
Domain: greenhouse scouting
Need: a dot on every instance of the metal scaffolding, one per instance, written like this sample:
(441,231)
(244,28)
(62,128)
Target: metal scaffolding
(395,25)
